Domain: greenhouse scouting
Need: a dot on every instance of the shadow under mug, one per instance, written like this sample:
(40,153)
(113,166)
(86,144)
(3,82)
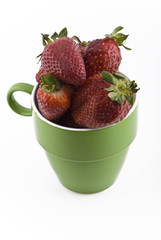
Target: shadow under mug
(85,160)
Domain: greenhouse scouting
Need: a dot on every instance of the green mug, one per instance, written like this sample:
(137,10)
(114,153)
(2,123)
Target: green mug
(85,160)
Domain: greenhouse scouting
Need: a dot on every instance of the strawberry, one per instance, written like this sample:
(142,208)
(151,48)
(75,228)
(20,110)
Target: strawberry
(39,74)
(63,59)
(93,85)
(53,97)
(100,111)
(104,54)
(106,102)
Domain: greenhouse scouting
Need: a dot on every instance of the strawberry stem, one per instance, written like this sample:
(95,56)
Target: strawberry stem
(82,43)
(118,29)
(121,88)
(118,37)
(46,39)
(50,84)
(63,33)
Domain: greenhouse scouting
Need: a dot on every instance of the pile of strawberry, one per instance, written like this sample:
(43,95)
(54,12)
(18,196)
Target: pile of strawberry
(79,82)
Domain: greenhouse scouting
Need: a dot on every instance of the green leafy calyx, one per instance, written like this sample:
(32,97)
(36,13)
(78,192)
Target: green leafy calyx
(121,87)
(46,39)
(82,43)
(118,37)
(50,84)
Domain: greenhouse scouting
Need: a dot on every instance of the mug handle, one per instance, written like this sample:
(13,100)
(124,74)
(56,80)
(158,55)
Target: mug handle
(14,105)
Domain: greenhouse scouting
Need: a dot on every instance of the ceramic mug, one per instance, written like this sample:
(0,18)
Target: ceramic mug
(85,160)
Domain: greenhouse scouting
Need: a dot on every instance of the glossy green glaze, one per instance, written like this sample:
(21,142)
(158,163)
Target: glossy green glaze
(85,145)
(85,160)
(88,176)
(16,107)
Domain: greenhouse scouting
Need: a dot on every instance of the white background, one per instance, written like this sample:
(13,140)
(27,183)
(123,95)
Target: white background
(33,204)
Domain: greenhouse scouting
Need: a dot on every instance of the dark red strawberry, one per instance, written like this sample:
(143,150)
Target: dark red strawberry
(100,111)
(53,98)
(93,85)
(104,105)
(39,74)
(63,59)
(104,54)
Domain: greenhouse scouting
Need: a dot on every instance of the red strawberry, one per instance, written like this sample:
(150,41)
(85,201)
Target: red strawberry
(39,74)
(104,54)
(94,107)
(53,98)
(63,59)
(100,111)
(93,85)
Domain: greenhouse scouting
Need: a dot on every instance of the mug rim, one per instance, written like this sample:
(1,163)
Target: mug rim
(75,129)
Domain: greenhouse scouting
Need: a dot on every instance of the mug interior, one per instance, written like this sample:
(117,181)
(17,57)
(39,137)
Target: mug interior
(36,110)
